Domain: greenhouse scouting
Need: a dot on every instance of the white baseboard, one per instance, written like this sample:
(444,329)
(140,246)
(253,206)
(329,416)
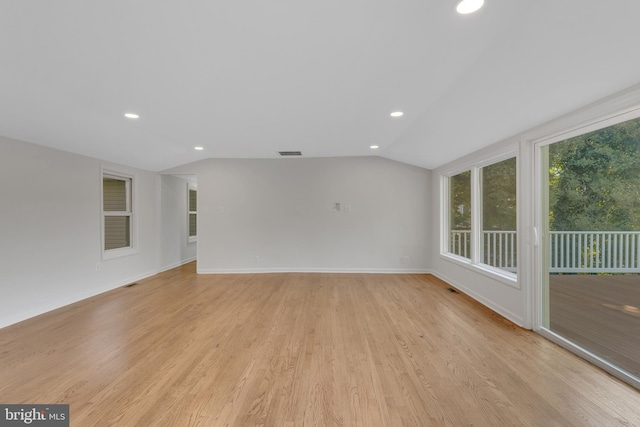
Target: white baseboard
(313,270)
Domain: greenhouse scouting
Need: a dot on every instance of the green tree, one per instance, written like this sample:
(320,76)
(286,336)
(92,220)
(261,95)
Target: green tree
(460,196)
(499,195)
(594,180)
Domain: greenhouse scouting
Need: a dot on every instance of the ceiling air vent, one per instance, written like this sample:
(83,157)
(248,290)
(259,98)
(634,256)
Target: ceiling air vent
(290,153)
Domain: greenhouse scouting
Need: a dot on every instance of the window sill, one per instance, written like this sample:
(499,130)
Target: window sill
(118,253)
(193,239)
(503,276)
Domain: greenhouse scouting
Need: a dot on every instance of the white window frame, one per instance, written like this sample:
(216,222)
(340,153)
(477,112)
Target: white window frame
(130,212)
(190,188)
(474,262)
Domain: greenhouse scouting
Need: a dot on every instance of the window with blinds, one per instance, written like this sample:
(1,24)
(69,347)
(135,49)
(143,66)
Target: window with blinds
(117,211)
(193,213)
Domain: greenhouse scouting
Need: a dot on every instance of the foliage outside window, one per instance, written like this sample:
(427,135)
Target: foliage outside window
(594,180)
(594,201)
(460,214)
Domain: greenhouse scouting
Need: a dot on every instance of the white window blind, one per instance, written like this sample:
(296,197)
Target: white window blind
(193,208)
(117,211)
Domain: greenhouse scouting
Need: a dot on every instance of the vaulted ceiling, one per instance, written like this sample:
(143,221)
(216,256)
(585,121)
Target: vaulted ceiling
(253,77)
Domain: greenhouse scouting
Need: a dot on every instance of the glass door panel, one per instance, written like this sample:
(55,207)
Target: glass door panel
(591,242)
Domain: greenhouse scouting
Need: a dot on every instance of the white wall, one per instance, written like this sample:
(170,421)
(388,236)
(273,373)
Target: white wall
(50,240)
(280,211)
(175,246)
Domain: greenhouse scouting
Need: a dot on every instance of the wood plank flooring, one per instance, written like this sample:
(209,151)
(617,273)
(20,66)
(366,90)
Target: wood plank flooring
(288,350)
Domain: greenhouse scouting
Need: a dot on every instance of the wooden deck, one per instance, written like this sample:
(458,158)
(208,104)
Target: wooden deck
(599,313)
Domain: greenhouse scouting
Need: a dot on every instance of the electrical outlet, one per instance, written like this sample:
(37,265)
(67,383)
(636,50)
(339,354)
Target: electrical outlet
(98,266)
(406,260)
(257,259)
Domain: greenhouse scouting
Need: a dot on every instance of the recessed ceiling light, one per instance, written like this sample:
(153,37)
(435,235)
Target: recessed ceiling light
(198,148)
(374,147)
(468,6)
(131,116)
(396,114)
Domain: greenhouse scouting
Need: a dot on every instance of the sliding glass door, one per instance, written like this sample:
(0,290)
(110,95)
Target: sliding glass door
(589,247)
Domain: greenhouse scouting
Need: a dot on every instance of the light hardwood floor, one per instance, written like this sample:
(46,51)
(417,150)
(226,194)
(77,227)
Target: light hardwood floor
(300,350)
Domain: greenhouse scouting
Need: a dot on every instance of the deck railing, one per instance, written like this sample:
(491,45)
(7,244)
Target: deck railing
(594,252)
(460,243)
(499,247)
(569,251)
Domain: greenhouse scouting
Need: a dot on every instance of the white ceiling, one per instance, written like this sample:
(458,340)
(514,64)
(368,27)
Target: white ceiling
(249,78)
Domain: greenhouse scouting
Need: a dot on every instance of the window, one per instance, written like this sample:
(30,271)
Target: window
(193,213)
(117,214)
(481,216)
(498,195)
(460,214)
